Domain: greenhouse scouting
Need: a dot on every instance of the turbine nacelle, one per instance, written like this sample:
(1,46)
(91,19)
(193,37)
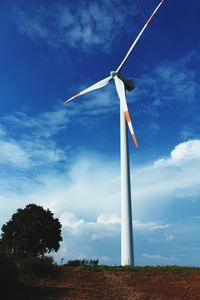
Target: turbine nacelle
(128,82)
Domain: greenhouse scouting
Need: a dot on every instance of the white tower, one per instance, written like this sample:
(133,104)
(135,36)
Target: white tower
(127,254)
(121,83)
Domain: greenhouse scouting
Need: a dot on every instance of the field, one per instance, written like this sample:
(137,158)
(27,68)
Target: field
(90,283)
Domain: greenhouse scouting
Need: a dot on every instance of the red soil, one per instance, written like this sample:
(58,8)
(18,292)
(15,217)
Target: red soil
(91,284)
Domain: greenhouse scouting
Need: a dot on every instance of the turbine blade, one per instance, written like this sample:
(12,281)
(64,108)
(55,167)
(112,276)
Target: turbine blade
(122,96)
(95,86)
(137,38)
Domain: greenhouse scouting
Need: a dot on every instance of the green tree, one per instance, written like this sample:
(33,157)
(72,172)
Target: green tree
(31,232)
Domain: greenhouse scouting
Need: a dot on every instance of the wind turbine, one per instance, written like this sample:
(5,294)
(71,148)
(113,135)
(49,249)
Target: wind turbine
(122,84)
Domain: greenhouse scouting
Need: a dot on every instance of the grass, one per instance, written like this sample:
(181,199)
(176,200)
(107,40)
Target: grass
(142,268)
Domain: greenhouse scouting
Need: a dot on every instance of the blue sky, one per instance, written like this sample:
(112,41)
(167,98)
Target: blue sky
(67,158)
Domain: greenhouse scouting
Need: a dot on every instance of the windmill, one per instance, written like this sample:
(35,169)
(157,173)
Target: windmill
(122,85)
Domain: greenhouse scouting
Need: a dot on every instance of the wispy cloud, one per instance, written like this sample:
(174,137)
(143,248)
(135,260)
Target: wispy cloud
(2,131)
(27,154)
(158,257)
(191,130)
(149,225)
(28,142)
(176,80)
(12,153)
(31,26)
(171,86)
(72,24)
(45,125)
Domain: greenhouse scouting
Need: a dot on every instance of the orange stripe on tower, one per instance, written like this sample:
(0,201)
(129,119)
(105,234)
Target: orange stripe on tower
(135,141)
(127,116)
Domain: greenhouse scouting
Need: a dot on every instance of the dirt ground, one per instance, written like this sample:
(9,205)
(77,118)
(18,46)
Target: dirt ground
(89,284)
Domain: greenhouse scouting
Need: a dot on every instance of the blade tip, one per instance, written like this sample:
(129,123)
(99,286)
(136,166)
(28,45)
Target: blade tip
(136,144)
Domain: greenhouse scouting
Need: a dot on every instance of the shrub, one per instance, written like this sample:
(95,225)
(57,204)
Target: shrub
(82,263)
(8,271)
(34,267)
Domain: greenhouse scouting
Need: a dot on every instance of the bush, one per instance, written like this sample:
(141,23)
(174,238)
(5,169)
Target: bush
(82,263)
(34,267)
(8,271)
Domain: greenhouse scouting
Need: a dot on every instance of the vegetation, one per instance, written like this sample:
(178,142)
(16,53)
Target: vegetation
(31,232)
(146,268)
(26,238)
(86,279)
(36,267)
(82,263)
(8,271)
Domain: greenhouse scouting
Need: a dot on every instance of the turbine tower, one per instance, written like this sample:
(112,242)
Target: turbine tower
(122,85)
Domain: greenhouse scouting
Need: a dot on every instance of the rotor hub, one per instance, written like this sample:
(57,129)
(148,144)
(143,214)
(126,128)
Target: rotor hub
(113,73)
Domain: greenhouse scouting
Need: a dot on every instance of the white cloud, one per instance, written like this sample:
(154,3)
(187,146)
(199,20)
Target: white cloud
(108,219)
(90,185)
(28,154)
(157,257)
(149,225)
(45,125)
(12,153)
(77,226)
(75,24)
(70,220)
(42,153)
(2,131)
(183,153)
(88,239)
(29,141)
(168,179)
(98,237)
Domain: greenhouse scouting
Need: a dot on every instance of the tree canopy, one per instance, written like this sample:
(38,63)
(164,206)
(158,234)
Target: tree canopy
(32,231)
